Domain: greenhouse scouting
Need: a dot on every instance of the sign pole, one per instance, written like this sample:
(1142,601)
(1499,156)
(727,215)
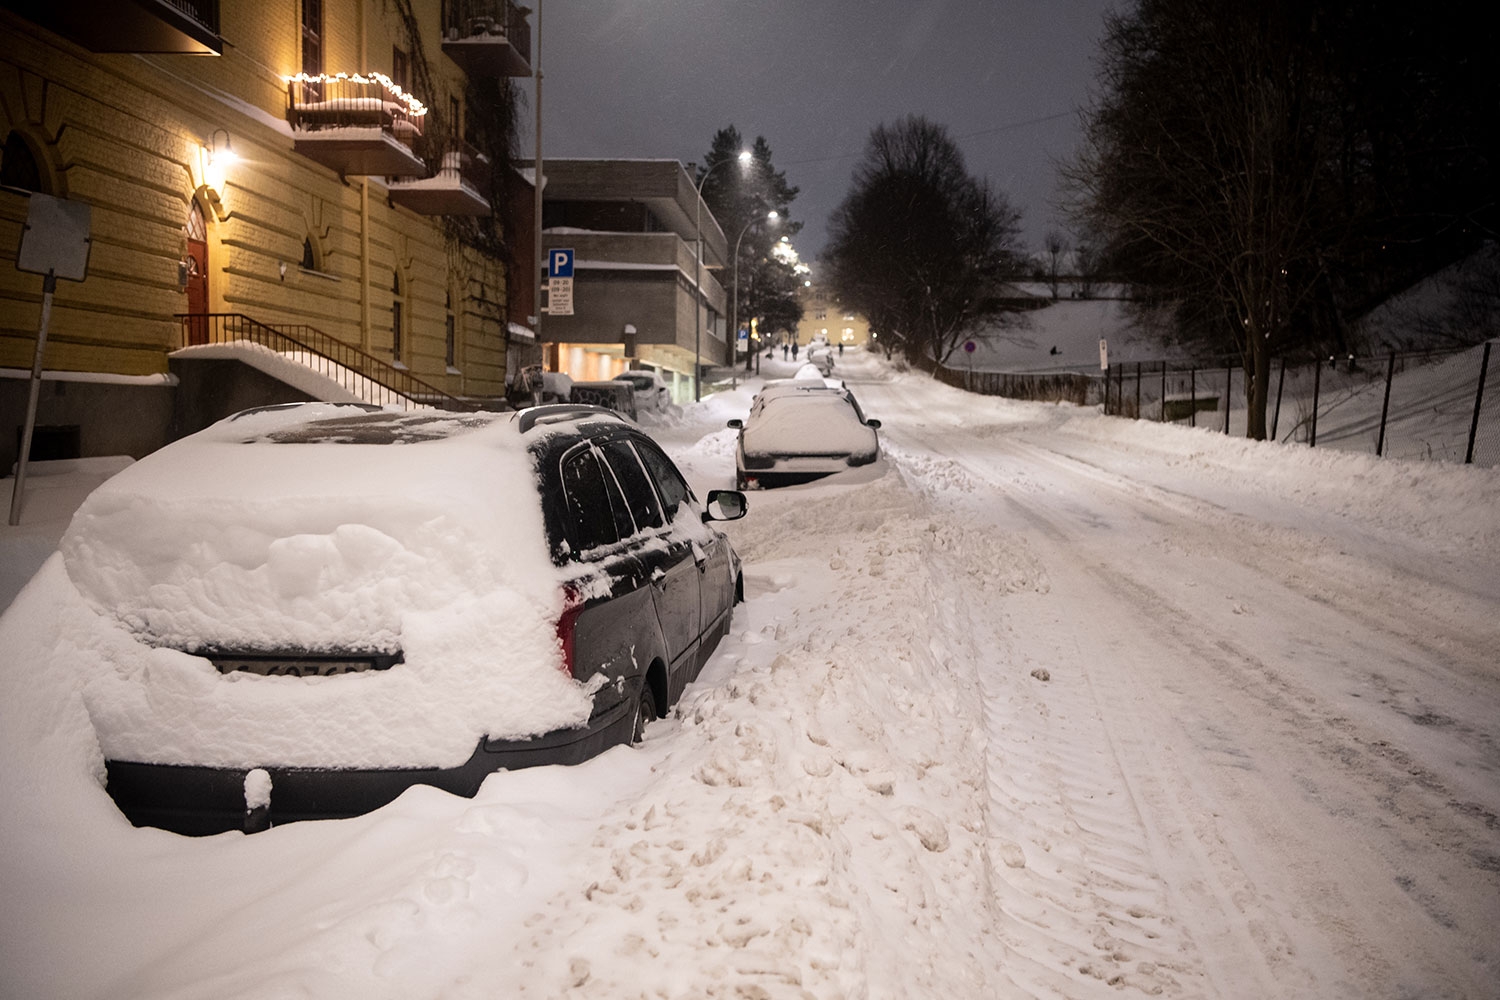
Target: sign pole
(55,244)
(49,285)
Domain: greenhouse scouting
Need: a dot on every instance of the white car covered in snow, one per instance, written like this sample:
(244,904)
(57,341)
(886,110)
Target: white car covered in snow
(652,394)
(800,430)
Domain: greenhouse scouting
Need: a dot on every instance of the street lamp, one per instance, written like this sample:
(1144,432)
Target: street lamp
(734,313)
(744,161)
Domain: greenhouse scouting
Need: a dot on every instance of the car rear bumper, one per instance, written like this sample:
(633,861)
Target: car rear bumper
(197,801)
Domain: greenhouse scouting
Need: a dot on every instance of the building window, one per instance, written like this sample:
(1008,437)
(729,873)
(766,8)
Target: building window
(18,168)
(312,37)
(398,310)
(401,69)
(197,228)
(309,255)
(450,333)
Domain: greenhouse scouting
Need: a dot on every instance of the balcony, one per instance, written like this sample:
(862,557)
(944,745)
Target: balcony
(460,187)
(356,125)
(487,37)
(169,26)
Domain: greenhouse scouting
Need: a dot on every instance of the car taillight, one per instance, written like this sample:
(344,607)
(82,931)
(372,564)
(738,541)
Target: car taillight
(567,623)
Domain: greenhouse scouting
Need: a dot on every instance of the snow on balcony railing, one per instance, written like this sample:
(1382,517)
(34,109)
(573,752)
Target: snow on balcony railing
(342,100)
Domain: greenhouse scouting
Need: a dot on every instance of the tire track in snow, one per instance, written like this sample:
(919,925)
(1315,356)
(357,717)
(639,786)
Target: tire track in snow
(1222,902)
(1071,854)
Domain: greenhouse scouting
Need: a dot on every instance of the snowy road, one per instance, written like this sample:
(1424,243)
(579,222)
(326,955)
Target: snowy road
(1045,704)
(1265,761)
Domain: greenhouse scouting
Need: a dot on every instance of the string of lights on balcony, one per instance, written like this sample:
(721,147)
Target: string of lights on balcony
(416,107)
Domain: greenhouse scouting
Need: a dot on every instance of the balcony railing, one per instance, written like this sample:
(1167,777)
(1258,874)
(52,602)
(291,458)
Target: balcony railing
(170,26)
(461,185)
(487,37)
(356,124)
(344,101)
(367,378)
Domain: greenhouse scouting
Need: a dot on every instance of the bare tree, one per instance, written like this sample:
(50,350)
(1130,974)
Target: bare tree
(1237,171)
(918,245)
(1056,247)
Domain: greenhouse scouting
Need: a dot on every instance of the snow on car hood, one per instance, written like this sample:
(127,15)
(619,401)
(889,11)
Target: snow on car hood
(433,546)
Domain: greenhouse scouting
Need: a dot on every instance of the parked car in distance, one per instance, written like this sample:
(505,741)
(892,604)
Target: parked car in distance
(612,395)
(801,430)
(304,610)
(652,394)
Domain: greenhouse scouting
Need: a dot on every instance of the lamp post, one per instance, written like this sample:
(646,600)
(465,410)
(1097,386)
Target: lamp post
(734,312)
(744,161)
(539,254)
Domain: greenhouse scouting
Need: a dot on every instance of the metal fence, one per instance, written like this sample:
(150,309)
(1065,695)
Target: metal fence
(1415,405)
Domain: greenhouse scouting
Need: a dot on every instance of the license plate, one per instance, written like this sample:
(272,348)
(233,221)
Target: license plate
(299,666)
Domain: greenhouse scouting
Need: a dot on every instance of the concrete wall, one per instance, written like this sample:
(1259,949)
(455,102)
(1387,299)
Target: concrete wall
(112,418)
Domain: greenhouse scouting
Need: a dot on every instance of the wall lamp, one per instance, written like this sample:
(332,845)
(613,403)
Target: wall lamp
(218,156)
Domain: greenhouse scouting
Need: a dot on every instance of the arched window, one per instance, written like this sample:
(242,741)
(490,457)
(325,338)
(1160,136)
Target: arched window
(398,310)
(309,256)
(19,168)
(197,229)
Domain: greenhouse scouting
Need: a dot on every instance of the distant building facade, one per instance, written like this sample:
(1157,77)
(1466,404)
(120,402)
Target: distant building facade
(823,315)
(638,299)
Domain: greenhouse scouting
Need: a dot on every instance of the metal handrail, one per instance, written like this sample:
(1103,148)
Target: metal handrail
(366,377)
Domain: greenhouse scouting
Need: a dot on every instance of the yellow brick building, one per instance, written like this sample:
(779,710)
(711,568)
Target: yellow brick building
(824,316)
(223,184)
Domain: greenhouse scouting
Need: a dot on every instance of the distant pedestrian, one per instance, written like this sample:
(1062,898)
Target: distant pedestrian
(784,350)
(841,348)
(794,350)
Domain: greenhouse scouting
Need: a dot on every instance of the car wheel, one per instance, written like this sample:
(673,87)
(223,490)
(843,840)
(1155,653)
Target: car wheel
(645,711)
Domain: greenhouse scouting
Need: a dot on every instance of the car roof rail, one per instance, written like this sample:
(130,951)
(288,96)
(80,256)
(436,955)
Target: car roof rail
(556,413)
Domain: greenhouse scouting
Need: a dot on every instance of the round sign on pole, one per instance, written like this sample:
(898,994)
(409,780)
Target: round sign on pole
(969,346)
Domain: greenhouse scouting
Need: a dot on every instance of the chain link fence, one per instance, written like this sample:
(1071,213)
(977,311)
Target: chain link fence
(1422,405)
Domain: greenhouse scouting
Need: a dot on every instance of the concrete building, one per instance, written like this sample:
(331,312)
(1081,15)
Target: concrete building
(292,172)
(633,227)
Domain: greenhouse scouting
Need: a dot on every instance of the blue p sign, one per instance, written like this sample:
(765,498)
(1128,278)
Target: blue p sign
(560,263)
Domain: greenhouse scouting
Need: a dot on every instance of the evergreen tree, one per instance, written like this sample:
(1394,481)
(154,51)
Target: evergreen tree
(740,197)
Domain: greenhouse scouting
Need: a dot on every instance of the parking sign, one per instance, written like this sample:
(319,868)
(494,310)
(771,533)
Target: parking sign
(560,263)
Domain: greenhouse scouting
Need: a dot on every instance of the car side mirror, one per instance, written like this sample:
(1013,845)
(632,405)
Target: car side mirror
(737,423)
(872,422)
(725,505)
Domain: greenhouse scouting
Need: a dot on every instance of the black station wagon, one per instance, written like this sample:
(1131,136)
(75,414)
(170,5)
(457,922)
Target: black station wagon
(315,607)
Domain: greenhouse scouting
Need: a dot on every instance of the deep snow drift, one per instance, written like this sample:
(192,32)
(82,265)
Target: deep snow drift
(1044,703)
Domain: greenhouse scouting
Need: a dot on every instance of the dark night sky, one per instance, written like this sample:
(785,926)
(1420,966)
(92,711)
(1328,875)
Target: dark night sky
(657,78)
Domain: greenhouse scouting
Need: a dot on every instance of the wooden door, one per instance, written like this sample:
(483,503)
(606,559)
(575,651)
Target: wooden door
(197,277)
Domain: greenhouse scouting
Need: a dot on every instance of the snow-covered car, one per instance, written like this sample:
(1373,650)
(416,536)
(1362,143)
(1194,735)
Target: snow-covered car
(800,430)
(652,394)
(820,356)
(301,611)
